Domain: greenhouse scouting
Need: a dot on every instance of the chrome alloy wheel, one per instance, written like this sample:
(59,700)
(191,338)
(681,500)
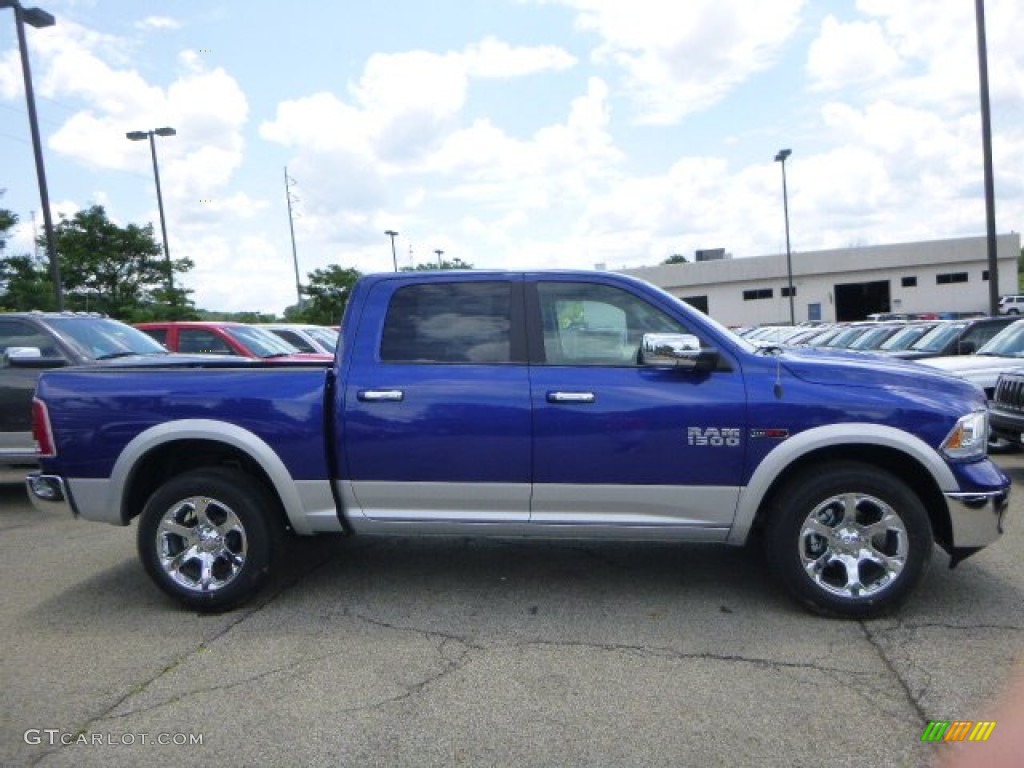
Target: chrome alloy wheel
(853,545)
(201,544)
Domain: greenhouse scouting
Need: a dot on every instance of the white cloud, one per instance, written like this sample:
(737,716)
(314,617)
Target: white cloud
(403,122)
(158,22)
(208,109)
(495,58)
(937,46)
(12,83)
(850,54)
(682,58)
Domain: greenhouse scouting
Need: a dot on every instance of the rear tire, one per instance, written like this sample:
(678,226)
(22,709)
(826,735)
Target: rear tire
(208,538)
(848,539)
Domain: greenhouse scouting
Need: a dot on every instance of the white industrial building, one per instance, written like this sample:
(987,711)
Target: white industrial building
(842,284)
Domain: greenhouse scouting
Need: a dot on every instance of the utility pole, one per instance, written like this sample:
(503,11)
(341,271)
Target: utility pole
(394,258)
(288,184)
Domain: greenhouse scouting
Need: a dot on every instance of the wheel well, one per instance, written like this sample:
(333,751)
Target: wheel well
(165,461)
(894,461)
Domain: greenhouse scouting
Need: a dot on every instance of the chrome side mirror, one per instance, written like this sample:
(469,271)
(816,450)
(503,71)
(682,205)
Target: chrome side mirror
(676,350)
(29,357)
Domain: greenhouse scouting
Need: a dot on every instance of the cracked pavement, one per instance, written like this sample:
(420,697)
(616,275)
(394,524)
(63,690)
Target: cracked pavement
(457,652)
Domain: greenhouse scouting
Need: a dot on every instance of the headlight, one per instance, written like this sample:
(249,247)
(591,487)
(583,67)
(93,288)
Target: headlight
(969,438)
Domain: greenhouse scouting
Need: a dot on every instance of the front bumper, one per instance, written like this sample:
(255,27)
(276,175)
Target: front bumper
(48,494)
(977,519)
(1006,424)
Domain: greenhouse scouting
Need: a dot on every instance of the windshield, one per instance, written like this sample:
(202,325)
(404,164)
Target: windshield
(871,339)
(845,337)
(99,338)
(1009,342)
(260,342)
(904,338)
(936,339)
(326,336)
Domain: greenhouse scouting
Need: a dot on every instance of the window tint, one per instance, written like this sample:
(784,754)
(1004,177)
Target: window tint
(196,340)
(295,340)
(587,324)
(158,334)
(982,332)
(258,341)
(449,323)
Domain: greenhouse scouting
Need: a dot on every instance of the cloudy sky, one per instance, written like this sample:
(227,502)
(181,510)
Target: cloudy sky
(513,133)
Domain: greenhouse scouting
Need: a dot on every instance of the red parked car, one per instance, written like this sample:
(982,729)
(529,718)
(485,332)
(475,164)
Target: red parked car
(226,338)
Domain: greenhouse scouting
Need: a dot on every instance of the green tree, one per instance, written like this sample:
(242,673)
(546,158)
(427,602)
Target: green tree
(118,270)
(328,291)
(237,317)
(24,279)
(455,263)
(25,284)
(676,258)
(7,221)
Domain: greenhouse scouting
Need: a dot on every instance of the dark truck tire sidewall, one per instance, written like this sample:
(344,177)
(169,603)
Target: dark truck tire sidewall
(877,492)
(236,501)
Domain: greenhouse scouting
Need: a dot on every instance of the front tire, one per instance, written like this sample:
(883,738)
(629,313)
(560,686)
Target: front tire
(208,538)
(848,539)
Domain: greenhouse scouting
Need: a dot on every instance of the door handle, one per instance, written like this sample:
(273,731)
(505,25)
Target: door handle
(571,397)
(380,395)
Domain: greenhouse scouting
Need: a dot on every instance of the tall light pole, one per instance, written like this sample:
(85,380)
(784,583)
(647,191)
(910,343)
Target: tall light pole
(38,18)
(392,234)
(781,158)
(986,148)
(142,136)
(439,253)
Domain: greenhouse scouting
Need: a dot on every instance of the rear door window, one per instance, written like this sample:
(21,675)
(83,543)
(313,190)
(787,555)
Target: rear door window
(468,322)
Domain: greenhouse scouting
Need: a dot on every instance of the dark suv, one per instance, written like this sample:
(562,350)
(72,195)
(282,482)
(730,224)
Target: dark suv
(31,342)
(955,337)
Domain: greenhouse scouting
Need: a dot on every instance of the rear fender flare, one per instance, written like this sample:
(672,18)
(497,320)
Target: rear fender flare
(214,431)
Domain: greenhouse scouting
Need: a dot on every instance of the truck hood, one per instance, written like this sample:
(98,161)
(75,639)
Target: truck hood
(863,369)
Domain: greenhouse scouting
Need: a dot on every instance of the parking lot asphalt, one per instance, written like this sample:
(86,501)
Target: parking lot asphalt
(454,652)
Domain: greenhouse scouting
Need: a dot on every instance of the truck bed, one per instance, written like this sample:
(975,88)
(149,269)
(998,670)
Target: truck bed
(106,408)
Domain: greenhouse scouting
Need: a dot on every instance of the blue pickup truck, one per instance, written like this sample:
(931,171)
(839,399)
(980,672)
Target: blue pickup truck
(550,404)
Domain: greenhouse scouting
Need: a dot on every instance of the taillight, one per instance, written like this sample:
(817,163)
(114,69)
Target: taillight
(41,430)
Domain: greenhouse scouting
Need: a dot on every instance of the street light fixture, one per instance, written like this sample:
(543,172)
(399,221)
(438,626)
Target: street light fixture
(781,158)
(142,136)
(38,18)
(392,234)
(439,252)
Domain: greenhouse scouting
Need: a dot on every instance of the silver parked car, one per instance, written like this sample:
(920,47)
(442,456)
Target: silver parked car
(306,338)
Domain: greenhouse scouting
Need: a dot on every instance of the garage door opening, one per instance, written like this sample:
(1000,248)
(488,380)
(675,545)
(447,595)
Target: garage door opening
(855,301)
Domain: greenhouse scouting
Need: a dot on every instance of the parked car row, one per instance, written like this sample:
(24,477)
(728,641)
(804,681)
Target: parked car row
(911,340)
(227,338)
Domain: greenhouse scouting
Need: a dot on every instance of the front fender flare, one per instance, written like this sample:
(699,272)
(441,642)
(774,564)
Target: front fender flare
(783,455)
